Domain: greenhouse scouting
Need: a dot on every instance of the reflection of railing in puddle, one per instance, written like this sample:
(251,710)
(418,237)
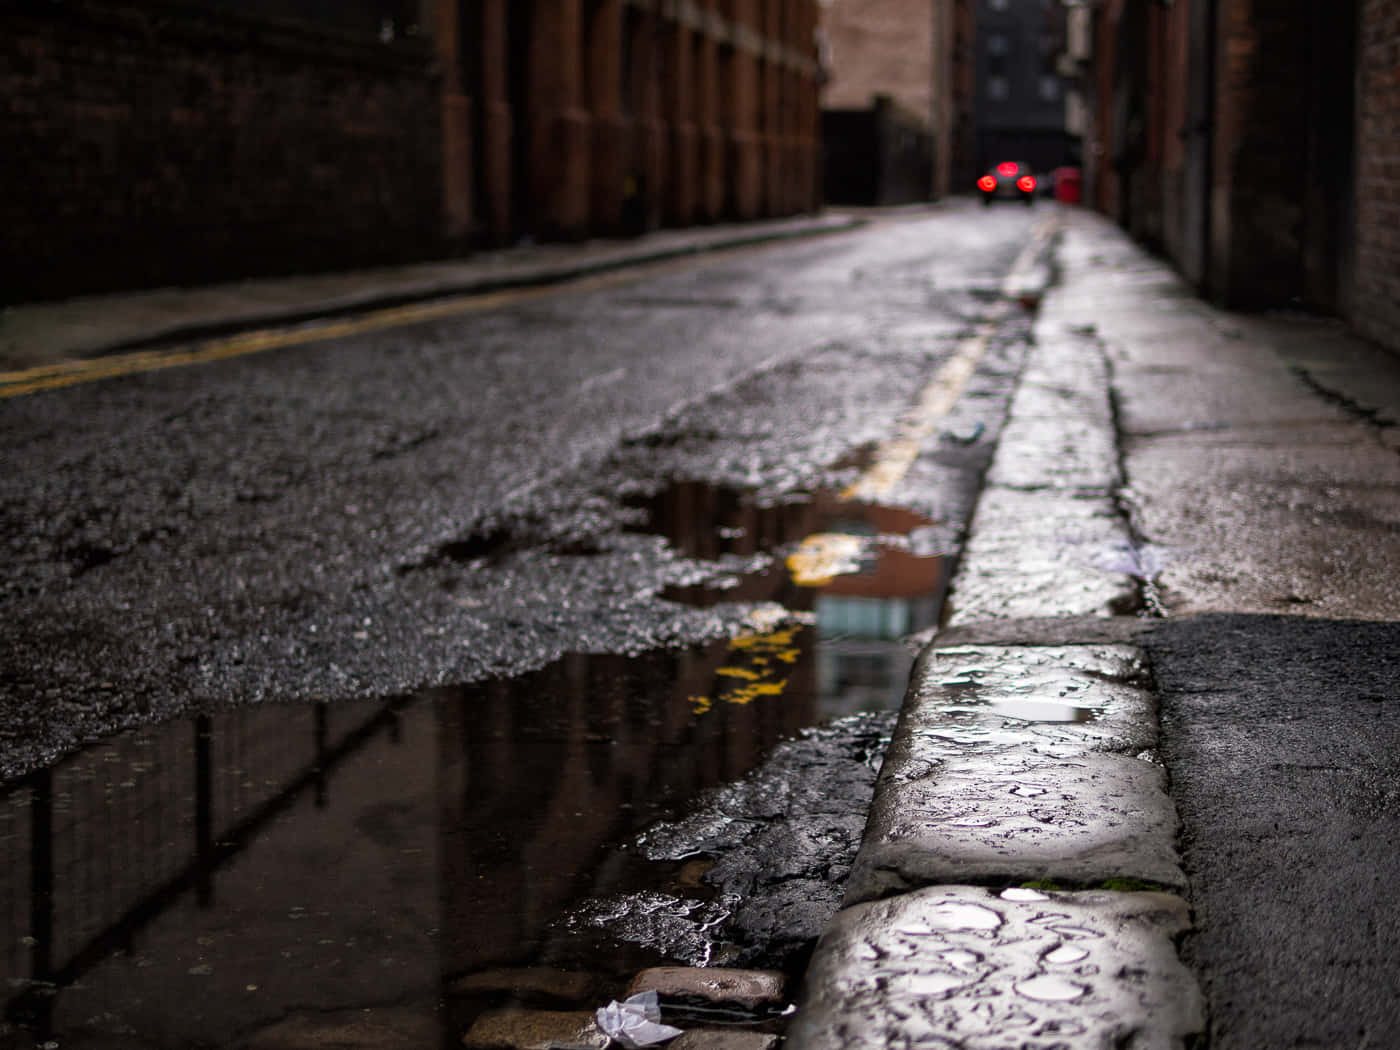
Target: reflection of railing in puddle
(526,827)
(528,781)
(109,854)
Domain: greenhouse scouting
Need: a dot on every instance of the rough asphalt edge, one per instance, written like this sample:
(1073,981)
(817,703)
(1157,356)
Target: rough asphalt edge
(325,308)
(780,904)
(830,1011)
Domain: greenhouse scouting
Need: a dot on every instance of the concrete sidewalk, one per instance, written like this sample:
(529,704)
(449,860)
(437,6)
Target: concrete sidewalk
(40,334)
(1045,865)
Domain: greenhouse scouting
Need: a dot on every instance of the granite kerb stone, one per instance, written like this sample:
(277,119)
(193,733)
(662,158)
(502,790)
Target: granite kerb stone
(973,968)
(1014,764)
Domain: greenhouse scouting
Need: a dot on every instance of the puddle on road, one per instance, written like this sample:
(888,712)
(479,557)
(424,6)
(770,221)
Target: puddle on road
(864,576)
(1041,711)
(209,882)
(966,688)
(384,873)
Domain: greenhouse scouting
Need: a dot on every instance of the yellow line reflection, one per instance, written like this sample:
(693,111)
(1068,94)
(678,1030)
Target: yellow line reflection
(823,556)
(69,373)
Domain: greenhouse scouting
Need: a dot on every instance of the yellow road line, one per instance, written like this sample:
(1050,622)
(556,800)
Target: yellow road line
(68,373)
(937,399)
(50,377)
(823,556)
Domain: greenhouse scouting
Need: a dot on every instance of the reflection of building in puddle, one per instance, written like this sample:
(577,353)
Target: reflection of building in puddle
(553,767)
(863,615)
(860,572)
(216,878)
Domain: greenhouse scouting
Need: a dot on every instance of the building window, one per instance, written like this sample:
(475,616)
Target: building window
(996,44)
(997,88)
(997,5)
(1049,89)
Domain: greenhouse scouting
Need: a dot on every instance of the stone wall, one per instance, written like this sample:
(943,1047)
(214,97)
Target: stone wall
(1259,169)
(880,47)
(876,156)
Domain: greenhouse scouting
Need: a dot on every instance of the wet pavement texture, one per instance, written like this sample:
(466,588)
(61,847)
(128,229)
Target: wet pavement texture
(1281,736)
(1258,452)
(307,524)
(981,969)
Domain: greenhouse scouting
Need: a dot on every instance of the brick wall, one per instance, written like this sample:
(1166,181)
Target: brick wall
(162,143)
(1375,297)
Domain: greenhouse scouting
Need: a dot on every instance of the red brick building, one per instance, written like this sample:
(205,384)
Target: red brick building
(153,142)
(1257,142)
(567,117)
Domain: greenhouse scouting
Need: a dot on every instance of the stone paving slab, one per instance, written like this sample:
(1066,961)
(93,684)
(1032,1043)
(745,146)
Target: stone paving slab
(718,984)
(1042,553)
(521,1029)
(966,968)
(1081,455)
(1016,763)
(722,1039)
(1048,538)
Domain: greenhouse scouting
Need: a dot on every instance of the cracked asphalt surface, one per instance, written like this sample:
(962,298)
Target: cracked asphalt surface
(281,527)
(390,532)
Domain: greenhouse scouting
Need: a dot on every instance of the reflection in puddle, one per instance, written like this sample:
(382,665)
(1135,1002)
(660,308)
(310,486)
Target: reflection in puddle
(1041,711)
(1023,894)
(1051,989)
(867,575)
(285,876)
(200,883)
(953,915)
(1066,955)
(965,689)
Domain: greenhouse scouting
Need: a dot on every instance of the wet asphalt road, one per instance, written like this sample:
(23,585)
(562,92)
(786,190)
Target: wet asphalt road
(416,633)
(474,504)
(440,502)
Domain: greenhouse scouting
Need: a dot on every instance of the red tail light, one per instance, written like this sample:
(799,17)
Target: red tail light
(986,182)
(1008,168)
(1027,183)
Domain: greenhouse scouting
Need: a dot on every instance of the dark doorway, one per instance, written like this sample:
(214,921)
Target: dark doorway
(521,16)
(469,58)
(1200,103)
(1329,195)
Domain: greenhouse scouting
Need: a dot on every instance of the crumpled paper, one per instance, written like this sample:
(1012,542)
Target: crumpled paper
(635,1022)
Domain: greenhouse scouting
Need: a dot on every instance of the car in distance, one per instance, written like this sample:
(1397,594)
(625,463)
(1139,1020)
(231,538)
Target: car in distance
(1009,180)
